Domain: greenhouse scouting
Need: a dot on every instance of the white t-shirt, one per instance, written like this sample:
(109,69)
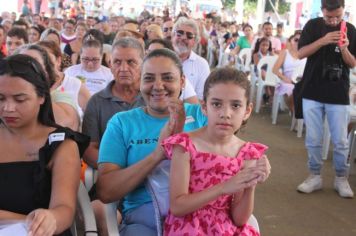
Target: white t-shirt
(71,85)
(196,70)
(95,81)
(188,90)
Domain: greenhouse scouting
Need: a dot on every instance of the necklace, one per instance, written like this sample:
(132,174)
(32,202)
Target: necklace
(32,155)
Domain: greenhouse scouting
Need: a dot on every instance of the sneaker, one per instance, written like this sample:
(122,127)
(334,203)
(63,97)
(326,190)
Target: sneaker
(311,184)
(342,186)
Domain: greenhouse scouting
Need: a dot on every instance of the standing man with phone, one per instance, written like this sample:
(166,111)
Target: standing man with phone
(331,53)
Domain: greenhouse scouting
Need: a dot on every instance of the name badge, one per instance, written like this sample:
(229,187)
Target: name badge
(55,137)
(189,119)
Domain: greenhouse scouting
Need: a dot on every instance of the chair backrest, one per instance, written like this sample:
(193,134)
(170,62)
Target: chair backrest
(90,177)
(111,219)
(353,75)
(253,222)
(210,52)
(271,79)
(223,57)
(352,107)
(245,57)
(298,72)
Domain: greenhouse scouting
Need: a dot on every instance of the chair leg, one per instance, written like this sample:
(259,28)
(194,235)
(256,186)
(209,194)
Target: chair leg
(275,108)
(259,96)
(326,140)
(300,123)
(293,123)
(253,87)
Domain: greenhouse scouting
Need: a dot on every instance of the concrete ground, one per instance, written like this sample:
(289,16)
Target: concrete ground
(279,208)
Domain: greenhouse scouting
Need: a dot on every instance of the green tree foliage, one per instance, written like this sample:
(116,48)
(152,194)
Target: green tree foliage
(250,5)
(282,5)
(230,4)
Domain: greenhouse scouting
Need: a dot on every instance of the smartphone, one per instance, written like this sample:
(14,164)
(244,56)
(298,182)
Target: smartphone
(343,33)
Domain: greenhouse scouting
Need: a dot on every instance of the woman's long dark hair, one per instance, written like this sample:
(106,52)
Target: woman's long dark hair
(29,69)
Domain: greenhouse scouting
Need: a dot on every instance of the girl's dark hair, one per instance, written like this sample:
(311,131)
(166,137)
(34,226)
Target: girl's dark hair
(49,66)
(164,52)
(29,69)
(246,26)
(94,34)
(227,74)
(71,21)
(49,31)
(91,42)
(258,43)
(165,43)
(38,28)
(52,47)
(297,32)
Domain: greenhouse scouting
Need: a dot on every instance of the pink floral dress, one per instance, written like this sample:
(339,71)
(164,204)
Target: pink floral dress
(208,170)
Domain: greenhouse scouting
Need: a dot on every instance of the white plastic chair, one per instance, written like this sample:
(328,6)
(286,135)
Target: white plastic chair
(254,223)
(243,61)
(278,102)
(353,76)
(352,153)
(86,212)
(210,53)
(352,135)
(297,73)
(111,219)
(270,80)
(113,228)
(90,177)
(223,57)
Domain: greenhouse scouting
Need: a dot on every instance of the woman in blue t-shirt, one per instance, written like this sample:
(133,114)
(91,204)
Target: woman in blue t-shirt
(130,149)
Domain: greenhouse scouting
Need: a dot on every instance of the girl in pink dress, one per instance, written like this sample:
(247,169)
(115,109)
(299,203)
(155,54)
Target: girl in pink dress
(213,172)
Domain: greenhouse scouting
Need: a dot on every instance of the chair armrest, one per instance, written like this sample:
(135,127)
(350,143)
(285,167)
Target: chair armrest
(111,218)
(85,207)
(90,176)
(253,222)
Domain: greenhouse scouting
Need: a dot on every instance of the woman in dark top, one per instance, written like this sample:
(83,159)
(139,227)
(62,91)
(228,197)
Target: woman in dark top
(39,160)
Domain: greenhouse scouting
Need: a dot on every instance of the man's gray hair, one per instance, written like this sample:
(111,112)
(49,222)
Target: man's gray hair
(129,42)
(187,22)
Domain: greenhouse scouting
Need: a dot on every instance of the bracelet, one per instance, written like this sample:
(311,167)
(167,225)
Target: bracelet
(341,50)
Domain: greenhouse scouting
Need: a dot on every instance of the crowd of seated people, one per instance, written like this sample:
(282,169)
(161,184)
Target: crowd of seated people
(102,95)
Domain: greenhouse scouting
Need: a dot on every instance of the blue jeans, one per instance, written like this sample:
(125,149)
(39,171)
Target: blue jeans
(337,117)
(140,221)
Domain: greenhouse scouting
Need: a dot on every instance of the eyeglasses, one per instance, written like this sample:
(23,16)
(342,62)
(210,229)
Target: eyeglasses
(189,35)
(165,29)
(93,60)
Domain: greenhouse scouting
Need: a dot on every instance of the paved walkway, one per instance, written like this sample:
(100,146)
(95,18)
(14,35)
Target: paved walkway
(279,208)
